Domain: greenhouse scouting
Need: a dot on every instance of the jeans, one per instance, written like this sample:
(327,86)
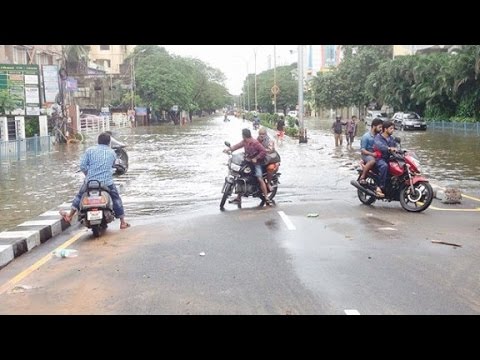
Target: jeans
(112,190)
(382,167)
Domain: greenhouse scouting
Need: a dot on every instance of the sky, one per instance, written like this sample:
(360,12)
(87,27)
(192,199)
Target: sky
(233,60)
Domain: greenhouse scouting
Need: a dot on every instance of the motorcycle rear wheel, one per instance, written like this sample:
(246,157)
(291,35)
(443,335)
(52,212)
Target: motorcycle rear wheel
(418,201)
(96,230)
(365,198)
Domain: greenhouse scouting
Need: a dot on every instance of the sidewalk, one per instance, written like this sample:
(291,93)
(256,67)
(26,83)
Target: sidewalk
(29,234)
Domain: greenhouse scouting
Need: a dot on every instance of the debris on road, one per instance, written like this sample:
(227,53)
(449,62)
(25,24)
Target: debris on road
(202,254)
(312,215)
(445,243)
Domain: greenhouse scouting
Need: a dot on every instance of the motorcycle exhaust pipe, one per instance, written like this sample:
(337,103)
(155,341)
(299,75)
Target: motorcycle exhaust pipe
(362,189)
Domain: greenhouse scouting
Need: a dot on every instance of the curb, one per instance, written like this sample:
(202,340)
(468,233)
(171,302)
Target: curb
(29,234)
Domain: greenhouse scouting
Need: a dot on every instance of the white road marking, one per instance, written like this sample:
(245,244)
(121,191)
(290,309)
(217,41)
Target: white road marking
(387,228)
(351,312)
(287,221)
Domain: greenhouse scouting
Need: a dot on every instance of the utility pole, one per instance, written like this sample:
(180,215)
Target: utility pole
(275,79)
(302,131)
(255,57)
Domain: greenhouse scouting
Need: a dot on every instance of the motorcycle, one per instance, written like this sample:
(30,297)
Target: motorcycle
(404,183)
(241,180)
(96,208)
(121,164)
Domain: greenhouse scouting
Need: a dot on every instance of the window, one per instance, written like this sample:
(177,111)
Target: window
(104,47)
(19,55)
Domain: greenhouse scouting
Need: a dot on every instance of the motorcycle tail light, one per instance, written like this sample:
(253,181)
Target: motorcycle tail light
(97,200)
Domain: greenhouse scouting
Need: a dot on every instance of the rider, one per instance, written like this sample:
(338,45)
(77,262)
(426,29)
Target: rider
(255,153)
(385,144)
(367,151)
(96,164)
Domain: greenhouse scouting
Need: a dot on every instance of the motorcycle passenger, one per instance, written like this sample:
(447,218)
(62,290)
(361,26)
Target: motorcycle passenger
(269,146)
(369,156)
(385,144)
(255,153)
(96,164)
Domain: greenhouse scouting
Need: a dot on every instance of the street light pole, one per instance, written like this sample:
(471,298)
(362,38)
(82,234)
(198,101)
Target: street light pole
(275,79)
(132,65)
(255,57)
(303,132)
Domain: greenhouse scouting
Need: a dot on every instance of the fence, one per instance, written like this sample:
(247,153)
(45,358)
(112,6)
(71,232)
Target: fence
(20,149)
(455,127)
(92,124)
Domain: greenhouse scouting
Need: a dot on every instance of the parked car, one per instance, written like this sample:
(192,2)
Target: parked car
(372,114)
(409,121)
(293,113)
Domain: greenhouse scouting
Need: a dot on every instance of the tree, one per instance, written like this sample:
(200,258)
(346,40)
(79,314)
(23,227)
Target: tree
(8,102)
(75,57)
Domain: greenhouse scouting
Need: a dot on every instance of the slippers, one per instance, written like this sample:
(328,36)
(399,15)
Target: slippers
(65,217)
(127,225)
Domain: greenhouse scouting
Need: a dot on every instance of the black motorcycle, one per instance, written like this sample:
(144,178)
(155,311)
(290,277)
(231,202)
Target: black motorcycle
(241,180)
(121,164)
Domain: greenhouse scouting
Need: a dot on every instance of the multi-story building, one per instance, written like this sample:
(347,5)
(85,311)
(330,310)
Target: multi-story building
(109,57)
(31,54)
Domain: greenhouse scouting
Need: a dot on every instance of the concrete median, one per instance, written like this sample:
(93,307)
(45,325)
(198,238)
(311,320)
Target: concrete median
(29,234)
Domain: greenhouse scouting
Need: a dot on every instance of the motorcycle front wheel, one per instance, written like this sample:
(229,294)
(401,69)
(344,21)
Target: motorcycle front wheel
(227,191)
(417,200)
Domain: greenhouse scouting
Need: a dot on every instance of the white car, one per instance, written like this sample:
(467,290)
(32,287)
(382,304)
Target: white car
(293,113)
(372,114)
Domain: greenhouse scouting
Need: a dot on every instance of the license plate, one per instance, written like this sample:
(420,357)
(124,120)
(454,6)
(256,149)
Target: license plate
(416,125)
(94,215)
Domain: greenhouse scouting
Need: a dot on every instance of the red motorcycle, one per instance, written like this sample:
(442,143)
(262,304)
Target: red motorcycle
(404,183)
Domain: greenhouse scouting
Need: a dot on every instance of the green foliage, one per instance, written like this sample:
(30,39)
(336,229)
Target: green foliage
(164,80)
(7,101)
(32,126)
(285,80)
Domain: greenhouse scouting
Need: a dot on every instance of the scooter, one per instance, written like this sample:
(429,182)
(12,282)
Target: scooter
(96,208)
(121,164)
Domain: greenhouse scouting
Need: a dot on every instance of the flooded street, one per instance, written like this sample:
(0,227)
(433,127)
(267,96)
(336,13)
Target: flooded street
(182,168)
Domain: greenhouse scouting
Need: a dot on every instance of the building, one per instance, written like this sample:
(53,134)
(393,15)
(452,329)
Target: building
(31,54)
(109,57)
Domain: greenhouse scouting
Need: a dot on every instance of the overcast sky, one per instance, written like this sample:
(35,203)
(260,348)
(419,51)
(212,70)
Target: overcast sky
(233,60)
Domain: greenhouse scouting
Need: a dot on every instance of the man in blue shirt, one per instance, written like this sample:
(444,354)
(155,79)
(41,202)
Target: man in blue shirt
(367,151)
(384,143)
(96,164)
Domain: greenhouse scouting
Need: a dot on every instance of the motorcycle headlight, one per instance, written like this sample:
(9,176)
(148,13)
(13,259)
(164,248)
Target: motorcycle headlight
(247,170)
(235,167)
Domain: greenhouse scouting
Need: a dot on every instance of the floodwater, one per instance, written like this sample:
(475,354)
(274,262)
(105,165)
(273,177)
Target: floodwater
(182,168)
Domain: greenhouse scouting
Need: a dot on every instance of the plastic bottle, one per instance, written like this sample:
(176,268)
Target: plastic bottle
(65,253)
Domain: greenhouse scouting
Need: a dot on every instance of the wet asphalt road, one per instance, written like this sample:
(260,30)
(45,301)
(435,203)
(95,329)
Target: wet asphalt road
(374,260)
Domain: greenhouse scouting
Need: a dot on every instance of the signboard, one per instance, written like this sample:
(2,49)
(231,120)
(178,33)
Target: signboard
(50,82)
(71,84)
(21,81)
(141,111)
